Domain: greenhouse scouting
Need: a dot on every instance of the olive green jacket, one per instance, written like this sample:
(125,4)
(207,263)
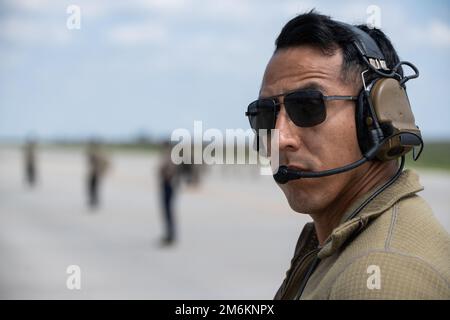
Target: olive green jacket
(393,249)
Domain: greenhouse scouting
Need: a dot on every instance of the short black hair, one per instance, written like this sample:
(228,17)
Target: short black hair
(322,32)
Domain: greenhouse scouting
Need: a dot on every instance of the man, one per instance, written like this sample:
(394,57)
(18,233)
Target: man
(30,161)
(97,165)
(168,179)
(392,248)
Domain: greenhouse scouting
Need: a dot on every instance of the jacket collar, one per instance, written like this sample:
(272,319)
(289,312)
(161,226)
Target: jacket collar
(406,185)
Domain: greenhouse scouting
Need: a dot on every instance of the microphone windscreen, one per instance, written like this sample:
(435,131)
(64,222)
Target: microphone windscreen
(282,175)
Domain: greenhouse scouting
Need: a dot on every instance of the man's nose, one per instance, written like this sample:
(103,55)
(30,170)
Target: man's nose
(289,140)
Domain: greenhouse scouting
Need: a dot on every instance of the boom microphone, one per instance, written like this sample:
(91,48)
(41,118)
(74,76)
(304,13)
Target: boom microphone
(285,174)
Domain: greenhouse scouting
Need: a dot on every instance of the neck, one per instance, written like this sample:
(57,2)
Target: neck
(329,218)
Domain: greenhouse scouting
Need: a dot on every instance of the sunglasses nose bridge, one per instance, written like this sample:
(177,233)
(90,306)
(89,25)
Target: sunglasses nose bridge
(288,134)
(282,116)
(280,101)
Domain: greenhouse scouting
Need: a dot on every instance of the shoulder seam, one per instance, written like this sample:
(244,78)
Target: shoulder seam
(387,243)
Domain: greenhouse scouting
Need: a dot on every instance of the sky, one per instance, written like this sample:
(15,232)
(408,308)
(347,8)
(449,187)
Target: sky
(147,67)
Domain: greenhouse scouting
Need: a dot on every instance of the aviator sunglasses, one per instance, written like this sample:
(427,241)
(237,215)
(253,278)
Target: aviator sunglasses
(306,108)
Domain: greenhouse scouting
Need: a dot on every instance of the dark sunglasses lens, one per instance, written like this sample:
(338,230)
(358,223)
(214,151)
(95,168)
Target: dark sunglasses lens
(261,114)
(306,109)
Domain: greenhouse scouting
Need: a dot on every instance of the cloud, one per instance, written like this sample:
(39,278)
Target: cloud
(138,34)
(438,34)
(29,32)
(192,45)
(105,8)
(170,5)
(434,34)
(30,5)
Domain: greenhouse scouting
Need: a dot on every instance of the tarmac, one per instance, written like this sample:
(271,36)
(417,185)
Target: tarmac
(236,232)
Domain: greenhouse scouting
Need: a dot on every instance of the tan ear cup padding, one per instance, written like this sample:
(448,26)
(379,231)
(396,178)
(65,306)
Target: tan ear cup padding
(391,106)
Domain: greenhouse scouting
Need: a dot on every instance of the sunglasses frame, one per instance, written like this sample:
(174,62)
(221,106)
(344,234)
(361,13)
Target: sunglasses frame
(276,103)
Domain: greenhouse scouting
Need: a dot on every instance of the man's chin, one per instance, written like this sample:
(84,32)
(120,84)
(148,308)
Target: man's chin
(301,208)
(298,201)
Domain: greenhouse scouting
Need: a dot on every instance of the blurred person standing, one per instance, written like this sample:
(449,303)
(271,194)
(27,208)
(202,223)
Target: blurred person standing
(97,165)
(168,180)
(30,161)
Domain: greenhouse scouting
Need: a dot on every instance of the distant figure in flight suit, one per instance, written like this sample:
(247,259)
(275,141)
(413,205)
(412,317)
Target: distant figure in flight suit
(97,166)
(168,178)
(30,162)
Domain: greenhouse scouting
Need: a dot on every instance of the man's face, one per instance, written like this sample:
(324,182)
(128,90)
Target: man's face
(331,144)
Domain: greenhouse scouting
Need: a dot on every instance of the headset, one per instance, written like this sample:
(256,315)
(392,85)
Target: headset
(385,124)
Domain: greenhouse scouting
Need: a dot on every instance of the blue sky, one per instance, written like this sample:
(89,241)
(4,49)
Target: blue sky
(155,65)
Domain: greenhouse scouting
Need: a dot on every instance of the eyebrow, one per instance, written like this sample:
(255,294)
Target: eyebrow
(308,86)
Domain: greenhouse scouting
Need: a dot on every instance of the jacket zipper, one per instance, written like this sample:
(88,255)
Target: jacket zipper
(297,266)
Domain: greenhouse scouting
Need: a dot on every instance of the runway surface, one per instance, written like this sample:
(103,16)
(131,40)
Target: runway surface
(237,233)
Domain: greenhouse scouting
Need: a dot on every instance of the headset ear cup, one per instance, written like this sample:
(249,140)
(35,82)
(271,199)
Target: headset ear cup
(362,130)
(395,117)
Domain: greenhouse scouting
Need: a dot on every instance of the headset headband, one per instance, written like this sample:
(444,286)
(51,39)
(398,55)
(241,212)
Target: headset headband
(367,47)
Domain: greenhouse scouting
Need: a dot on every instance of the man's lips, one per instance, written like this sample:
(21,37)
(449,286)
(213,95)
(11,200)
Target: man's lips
(297,167)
